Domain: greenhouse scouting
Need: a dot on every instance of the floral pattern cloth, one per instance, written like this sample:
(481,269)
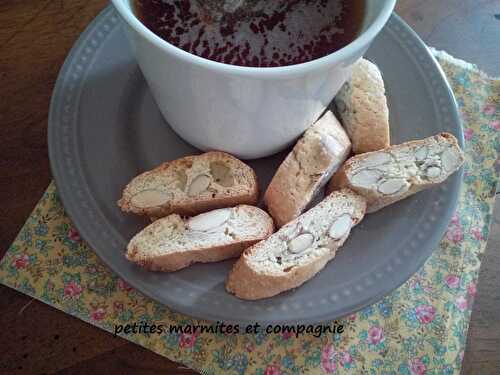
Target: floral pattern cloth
(418,329)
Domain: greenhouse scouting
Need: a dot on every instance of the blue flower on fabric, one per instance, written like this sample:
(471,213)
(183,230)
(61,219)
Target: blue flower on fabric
(385,309)
(41,229)
(288,361)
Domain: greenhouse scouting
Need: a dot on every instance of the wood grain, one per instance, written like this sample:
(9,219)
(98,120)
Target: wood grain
(35,37)
(483,345)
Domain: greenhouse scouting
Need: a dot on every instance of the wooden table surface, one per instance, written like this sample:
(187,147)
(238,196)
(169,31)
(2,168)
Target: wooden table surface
(35,37)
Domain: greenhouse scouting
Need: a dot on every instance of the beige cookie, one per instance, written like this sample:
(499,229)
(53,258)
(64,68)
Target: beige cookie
(362,107)
(191,185)
(308,167)
(394,173)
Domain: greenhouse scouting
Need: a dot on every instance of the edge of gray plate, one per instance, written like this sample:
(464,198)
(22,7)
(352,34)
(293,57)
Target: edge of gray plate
(82,208)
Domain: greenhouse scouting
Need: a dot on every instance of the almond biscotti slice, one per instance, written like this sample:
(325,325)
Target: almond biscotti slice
(173,242)
(308,167)
(362,107)
(298,250)
(191,185)
(387,176)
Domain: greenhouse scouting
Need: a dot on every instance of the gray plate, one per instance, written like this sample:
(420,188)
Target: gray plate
(104,128)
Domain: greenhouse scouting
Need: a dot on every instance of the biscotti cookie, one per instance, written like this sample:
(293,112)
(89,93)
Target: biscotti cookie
(387,176)
(362,107)
(173,242)
(191,185)
(308,167)
(299,250)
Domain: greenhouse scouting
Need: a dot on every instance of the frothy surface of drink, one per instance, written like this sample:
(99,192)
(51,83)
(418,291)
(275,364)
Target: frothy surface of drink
(259,33)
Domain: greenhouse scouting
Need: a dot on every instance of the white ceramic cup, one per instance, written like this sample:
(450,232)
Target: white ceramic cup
(248,112)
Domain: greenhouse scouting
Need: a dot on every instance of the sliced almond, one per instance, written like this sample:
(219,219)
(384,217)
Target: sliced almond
(366,178)
(377,159)
(421,153)
(332,145)
(340,227)
(221,174)
(393,186)
(433,172)
(198,185)
(434,148)
(404,156)
(300,243)
(450,159)
(150,198)
(411,170)
(209,220)
(384,168)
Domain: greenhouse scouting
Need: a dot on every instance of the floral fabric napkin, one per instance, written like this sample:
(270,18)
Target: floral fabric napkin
(419,328)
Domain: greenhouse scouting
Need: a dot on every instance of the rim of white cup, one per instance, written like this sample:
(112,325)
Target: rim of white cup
(336,57)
